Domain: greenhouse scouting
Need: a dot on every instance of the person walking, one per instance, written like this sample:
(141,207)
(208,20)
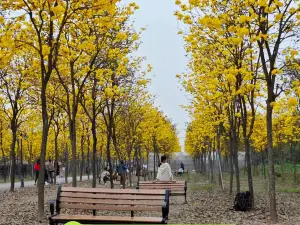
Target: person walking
(36,168)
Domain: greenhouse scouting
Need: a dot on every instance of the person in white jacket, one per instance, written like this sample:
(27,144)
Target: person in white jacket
(164,172)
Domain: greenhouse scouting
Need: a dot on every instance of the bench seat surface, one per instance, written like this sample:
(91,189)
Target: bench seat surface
(107,218)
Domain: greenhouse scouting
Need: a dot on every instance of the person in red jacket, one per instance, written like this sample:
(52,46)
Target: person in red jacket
(37,167)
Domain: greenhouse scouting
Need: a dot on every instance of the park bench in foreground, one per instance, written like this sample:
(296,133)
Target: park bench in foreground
(176,189)
(116,200)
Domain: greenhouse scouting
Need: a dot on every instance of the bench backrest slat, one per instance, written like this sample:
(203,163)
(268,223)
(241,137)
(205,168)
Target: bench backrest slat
(113,191)
(112,196)
(112,202)
(110,208)
(165,188)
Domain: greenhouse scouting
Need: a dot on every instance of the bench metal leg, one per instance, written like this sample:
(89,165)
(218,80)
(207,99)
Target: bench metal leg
(185,190)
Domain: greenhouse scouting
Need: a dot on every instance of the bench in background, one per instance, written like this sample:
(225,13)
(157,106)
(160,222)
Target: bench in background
(179,188)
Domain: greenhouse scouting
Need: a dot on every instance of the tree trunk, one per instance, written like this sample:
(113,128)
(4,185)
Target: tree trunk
(41,179)
(154,158)
(218,153)
(13,155)
(67,163)
(211,167)
(21,166)
(272,194)
(294,163)
(56,156)
(3,154)
(230,145)
(74,151)
(236,161)
(88,157)
(108,155)
(130,166)
(94,152)
(82,157)
(282,164)
(147,165)
(249,172)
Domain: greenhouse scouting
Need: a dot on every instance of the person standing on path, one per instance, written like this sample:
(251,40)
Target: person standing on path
(50,170)
(36,168)
(122,172)
(182,165)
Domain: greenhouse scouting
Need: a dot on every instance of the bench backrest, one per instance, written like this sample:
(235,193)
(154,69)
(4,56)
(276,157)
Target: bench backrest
(111,199)
(178,186)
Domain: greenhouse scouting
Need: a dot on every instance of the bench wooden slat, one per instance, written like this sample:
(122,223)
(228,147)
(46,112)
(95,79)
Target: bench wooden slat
(107,218)
(177,188)
(160,188)
(156,183)
(113,191)
(111,202)
(162,182)
(112,196)
(110,208)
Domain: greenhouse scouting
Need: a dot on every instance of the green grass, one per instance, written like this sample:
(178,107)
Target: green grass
(289,190)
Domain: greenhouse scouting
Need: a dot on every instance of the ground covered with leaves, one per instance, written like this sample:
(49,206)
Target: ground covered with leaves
(207,204)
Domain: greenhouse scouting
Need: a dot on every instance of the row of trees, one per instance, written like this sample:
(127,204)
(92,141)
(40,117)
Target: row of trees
(244,79)
(69,80)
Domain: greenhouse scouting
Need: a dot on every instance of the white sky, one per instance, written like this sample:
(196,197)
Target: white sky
(164,51)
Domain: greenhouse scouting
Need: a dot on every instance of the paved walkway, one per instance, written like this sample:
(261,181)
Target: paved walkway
(6,186)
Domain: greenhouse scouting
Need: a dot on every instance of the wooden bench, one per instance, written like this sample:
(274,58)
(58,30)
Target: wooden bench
(93,199)
(176,189)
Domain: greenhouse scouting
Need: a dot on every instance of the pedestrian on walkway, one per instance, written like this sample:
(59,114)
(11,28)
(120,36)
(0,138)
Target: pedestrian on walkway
(50,171)
(36,168)
(122,172)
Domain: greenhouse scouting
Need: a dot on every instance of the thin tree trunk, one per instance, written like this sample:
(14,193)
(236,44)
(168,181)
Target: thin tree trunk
(272,194)
(3,154)
(82,157)
(94,152)
(294,163)
(56,155)
(211,167)
(13,156)
(74,151)
(67,163)
(236,162)
(250,180)
(108,155)
(282,164)
(230,145)
(41,179)
(21,166)
(88,157)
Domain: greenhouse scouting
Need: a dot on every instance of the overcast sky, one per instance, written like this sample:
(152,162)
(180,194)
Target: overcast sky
(164,51)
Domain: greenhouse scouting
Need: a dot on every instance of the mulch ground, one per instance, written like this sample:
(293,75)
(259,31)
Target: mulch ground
(205,206)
